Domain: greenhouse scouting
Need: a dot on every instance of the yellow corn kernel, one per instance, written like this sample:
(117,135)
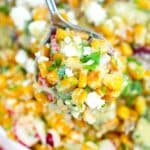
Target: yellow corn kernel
(74,63)
(62,127)
(34,107)
(73,3)
(45,51)
(61,34)
(7,121)
(67,84)
(113,39)
(27,91)
(3,82)
(94,79)
(58,56)
(114,64)
(64,15)
(82,79)
(41,97)
(89,146)
(40,13)
(101,91)
(11,135)
(140,105)
(139,34)
(113,81)
(83,35)
(105,30)
(134,115)
(79,96)
(123,66)
(125,140)
(52,119)
(14,92)
(75,136)
(43,67)
(96,43)
(123,112)
(125,49)
(136,71)
(144,4)
(52,77)
(111,95)
(42,147)
(5,20)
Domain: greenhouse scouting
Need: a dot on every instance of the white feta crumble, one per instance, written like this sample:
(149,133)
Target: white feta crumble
(104,60)
(67,40)
(26,82)
(94,101)
(90,62)
(56,137)
(141,134)
(72,17)
(20,16)
(70,50)
(89,117)
(30,3)
(95,13)
(30,66)
(68,72)
(41,58)
(133,65)
(107,145)
(21,57)
(37,28)
(87,50)
(137,147)
(77,39)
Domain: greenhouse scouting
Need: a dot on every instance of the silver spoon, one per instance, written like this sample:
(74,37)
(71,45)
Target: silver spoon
(59,21)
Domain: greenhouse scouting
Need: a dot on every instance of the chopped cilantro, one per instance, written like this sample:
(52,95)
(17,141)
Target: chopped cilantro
(55,64)
(12,87)
(92,57)
(5,8)
(26,27)
(104,89)
(4,69)
(61,71)
(124,146)
(64,96)
(87,88)
(134,60)
(131,90)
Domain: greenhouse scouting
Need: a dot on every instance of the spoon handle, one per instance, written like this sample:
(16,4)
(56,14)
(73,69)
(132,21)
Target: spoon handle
(52,7)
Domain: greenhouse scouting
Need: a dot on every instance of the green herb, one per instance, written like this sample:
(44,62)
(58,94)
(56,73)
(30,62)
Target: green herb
(4,69)
(5,8)
(131,90)
(132,59)
(147,114)
(124,146)
(61,71)
(55,64)
(26,27)
(20,68)
(92,57)
(62,6)
(12,87)
(104,89)
(64,96)
(87,88)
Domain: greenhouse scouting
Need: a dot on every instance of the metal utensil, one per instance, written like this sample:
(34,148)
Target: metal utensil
(59,21)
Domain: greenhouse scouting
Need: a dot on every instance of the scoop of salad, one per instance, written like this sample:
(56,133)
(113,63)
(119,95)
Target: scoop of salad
(79,70)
